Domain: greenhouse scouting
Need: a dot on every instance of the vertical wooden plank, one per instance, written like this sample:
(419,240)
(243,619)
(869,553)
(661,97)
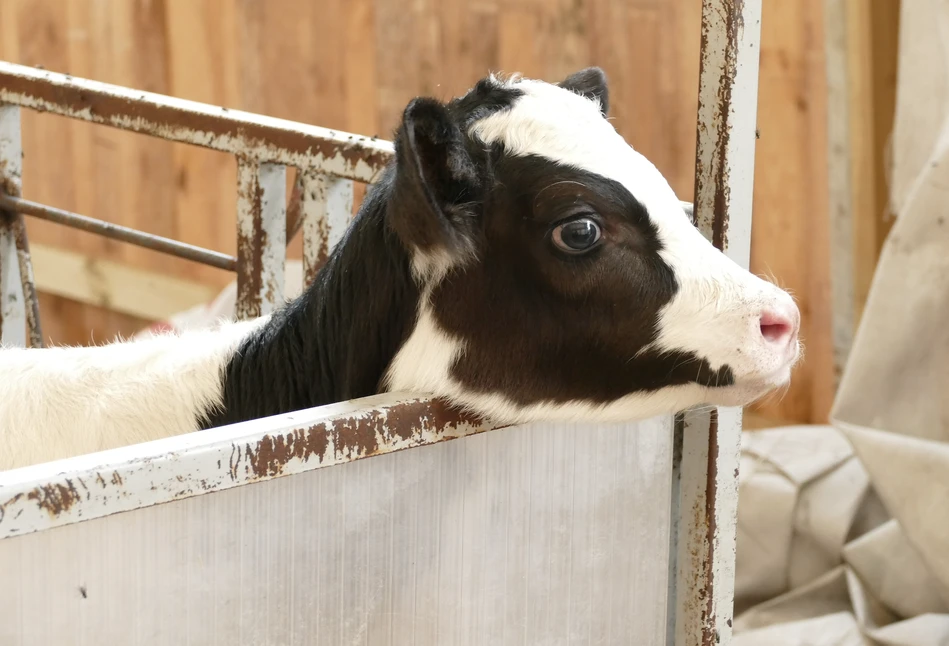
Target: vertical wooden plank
(515,52)
(409,27)
(684,20)
(861,60)
(148,168)
(706,476)
(468,44)
(12,304)
(261,237)
(816,253)
(327,206)
(42,29)
(360,72)
(872,44)
(9,39)
(839,168)
(203,65)
(780,240)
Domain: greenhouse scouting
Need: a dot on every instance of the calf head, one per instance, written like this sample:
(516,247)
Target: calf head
(560,276)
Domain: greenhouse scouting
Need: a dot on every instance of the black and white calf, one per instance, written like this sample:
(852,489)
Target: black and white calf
(518,258)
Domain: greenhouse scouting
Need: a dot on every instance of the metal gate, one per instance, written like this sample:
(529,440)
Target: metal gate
(570,534)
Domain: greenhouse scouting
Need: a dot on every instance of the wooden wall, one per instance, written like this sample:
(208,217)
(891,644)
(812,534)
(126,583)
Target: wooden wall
(353,65)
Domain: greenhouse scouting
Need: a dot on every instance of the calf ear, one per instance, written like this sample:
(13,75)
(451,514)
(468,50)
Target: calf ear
(436,181)
(591,83)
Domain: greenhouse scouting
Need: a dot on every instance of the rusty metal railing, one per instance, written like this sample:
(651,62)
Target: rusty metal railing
(327,162)
(705,445)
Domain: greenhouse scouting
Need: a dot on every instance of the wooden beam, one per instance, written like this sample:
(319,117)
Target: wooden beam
(115,286)
(862,47)
(872,56)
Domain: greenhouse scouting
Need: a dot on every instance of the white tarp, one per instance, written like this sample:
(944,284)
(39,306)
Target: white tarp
(844,529)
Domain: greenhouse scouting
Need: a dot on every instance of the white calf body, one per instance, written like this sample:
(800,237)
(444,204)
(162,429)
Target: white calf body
(110,396)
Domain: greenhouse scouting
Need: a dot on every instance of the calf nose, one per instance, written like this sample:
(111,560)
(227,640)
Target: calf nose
(780,324)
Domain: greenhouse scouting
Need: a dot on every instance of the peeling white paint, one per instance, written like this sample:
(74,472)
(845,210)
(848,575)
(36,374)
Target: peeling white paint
(236,121)
(12,306)
(261,231)
(90,486)
(326,204)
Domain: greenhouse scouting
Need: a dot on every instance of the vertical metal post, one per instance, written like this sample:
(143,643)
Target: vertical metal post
(11,183)
(706,446)
(261,237)
(327,206)
(12,306)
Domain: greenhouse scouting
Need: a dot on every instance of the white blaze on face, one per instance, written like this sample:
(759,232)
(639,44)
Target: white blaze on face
(717,311)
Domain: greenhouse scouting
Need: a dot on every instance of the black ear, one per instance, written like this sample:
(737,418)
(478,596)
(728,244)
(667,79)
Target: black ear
(591,83)
(436,179)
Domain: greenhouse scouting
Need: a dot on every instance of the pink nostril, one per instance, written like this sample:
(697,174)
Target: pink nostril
(775,327)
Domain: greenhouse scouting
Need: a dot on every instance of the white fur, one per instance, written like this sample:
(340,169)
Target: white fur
(715,313)
(66,401)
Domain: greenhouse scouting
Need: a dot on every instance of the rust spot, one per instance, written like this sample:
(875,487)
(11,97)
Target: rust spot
(234,461)
(250,248)
(322,252)
(708,557)
(271,453)
(8,183)
(404,421)
(56,498)
(3,507)
(294,208)
(84,488)
(731,15)
(359,436)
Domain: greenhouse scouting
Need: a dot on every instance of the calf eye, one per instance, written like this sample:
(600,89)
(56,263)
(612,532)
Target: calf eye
(576,236)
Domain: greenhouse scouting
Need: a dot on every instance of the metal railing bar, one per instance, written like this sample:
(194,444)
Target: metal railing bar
(118,232)
(251,136)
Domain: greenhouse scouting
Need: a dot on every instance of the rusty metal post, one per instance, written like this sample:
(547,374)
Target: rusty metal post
(327,206)
(707,444)
(27,282)
(261,237)
(12,305)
